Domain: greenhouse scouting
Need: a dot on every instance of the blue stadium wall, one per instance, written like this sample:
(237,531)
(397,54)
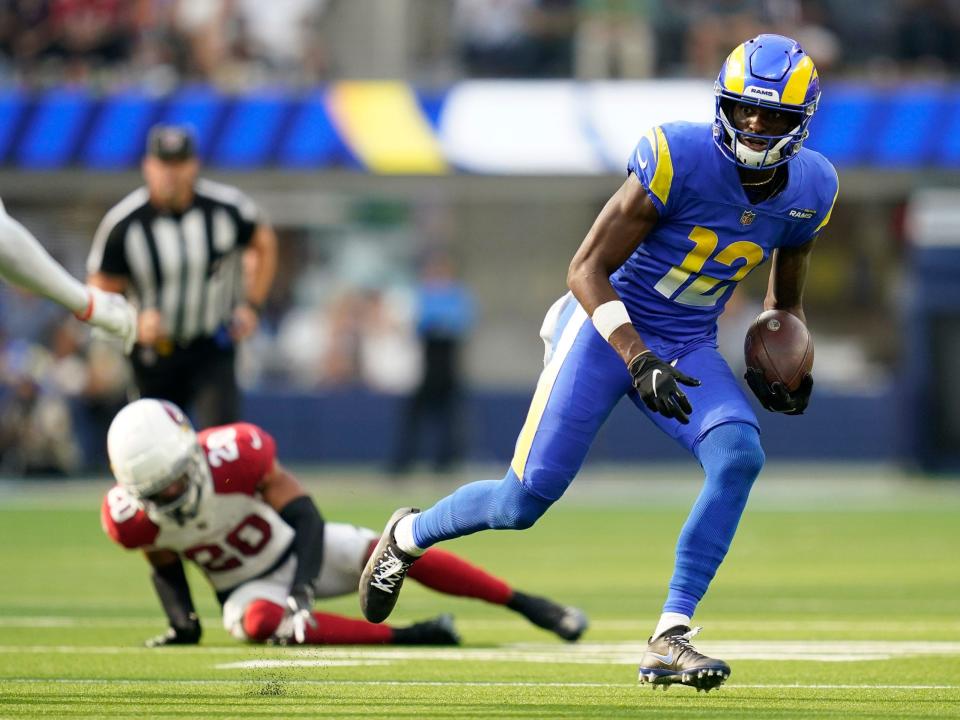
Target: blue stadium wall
(351,426)
(485,127)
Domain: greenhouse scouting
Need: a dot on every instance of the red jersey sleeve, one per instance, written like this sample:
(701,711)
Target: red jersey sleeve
(239,456)
(125,521)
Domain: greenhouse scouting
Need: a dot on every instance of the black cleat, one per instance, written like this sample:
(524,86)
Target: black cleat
(384,573)
(567,622)
(670,658)
(437,631)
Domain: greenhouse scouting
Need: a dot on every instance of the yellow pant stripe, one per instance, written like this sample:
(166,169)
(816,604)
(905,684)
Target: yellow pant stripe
(542,394)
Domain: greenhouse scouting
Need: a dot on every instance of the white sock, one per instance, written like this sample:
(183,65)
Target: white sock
(669,620)
(403,534)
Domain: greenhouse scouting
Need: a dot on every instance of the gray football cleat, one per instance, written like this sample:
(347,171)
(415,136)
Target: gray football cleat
(384,572)
(670,658)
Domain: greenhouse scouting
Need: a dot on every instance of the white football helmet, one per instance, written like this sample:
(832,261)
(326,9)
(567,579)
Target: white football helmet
(155,455)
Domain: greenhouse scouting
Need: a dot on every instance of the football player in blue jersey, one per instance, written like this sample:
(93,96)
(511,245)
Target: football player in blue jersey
(702,205)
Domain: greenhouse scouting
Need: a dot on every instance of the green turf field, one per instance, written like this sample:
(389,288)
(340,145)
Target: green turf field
(840,599)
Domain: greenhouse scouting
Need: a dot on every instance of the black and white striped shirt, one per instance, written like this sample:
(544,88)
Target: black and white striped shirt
(187,265)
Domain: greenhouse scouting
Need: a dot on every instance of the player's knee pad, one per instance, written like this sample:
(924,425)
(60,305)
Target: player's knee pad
(261,620)
(513,507)
(732,451)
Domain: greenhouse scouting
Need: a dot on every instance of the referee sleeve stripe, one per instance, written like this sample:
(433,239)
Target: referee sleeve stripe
(229,195)
(117,214)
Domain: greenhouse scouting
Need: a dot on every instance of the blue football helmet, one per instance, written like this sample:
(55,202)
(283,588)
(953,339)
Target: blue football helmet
(770,71)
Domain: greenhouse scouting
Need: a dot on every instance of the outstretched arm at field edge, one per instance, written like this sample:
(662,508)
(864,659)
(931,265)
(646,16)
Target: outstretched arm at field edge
(621,226)
(25,263)
(170,582)
(788,276)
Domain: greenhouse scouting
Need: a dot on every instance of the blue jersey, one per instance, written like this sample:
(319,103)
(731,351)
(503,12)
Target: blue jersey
(709,236)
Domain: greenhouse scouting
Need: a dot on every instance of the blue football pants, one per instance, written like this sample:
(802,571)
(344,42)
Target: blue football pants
(582,381)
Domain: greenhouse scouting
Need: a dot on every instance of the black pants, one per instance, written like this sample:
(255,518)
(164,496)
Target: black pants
(200,377)
(442,406)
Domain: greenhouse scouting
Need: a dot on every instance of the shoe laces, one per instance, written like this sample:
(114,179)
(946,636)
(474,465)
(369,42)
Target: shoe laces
(682,642)
(389,571)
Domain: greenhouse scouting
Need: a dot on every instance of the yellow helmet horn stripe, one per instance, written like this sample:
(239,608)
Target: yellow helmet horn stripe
(736,70)
(796,89)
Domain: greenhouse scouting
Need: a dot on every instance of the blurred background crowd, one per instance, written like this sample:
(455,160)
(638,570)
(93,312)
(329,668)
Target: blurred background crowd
(362,258)
(244,43)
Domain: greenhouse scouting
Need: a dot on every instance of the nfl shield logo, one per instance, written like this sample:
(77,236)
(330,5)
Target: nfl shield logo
(748,217)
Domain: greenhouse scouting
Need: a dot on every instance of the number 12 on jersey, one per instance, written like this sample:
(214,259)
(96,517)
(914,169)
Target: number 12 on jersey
(703,291)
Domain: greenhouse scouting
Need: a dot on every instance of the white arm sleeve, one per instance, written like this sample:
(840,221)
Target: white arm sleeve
(25,263)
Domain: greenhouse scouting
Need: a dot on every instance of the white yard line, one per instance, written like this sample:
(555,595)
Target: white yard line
(641,627)
(464,683)
(580,654)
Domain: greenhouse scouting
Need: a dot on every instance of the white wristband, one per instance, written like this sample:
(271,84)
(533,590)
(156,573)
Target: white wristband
(609,316)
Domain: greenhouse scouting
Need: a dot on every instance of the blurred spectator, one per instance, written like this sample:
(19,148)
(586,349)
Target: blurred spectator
(552,26)
(27,316)
(93,379)
(491,35)
(514,38)
(205,26)
(25,31)
(927,32)
(89,34)
(244,43)
(445,316)
(340,365)
(36,431)
(282,36)
(108,377)
(814,34)
(717,26)
(390,358)
(616,39)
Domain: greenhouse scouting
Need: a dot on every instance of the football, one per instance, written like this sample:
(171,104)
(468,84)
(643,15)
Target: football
(779,345)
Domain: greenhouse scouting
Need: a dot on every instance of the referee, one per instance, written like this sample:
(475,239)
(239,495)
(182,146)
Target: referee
(199,259)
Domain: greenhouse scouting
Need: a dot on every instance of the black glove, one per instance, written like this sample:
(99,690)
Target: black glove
(656,382)
(187,635)
(775,397)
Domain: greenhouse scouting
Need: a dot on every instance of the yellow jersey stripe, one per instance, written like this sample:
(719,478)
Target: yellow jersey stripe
(736,70)
(663,175)
(799,80)
(542,394)
(385,127)
(829,212)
